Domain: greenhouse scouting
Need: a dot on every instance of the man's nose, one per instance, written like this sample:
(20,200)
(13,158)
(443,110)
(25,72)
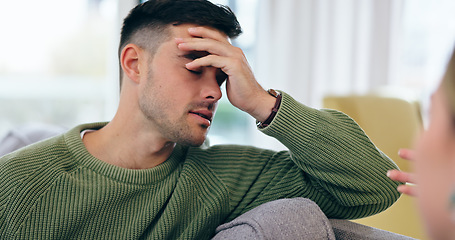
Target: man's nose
(211,88)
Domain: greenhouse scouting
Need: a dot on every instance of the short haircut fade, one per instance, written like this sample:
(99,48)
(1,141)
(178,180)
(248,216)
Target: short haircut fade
(157,14)
(146,24)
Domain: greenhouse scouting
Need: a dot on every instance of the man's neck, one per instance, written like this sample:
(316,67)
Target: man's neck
(127,148)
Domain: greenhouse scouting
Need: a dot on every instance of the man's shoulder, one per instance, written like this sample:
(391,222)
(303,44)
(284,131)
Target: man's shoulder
(55,152)
(32,156)
(25,169)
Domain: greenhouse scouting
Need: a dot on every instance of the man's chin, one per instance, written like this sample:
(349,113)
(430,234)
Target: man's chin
(193,142)
(194,138)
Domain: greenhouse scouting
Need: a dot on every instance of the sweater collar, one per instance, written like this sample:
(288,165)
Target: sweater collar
(132,176)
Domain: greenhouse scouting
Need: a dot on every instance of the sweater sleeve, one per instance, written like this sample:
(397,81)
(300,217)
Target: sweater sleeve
(342,164)
(329,160)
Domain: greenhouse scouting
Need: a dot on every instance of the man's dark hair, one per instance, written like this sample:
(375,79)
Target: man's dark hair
(148,23)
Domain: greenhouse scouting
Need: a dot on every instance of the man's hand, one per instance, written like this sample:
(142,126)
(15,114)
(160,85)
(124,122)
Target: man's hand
(396,175)
(243,91)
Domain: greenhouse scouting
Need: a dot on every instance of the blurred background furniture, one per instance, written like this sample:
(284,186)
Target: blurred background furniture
(27,134)
(391,122)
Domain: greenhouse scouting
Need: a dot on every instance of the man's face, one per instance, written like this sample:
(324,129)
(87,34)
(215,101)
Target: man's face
(179,103)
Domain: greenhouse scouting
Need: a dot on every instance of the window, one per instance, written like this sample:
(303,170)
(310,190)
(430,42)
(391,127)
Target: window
(428,38)
(58,62)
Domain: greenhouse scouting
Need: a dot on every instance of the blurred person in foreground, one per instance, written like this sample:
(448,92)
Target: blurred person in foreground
(148,174)
(434,162)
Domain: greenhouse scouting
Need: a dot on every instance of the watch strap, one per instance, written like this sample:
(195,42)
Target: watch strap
(278,97)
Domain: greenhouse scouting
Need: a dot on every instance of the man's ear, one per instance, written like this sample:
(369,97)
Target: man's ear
(130,61)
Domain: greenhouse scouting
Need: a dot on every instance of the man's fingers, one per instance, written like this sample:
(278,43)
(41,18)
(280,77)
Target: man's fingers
(207,61)
(227,65)
(206,45)
(204,32)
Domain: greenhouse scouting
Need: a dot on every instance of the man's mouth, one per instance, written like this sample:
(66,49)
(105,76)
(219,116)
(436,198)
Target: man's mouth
(203,114)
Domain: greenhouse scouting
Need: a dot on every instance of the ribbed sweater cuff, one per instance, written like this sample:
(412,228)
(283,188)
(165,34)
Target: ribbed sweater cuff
(292,116)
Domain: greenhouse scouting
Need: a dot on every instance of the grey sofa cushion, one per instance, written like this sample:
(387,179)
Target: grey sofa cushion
(348,230)
(297,218)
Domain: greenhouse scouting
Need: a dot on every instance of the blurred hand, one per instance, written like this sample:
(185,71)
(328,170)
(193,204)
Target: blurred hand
(409,188)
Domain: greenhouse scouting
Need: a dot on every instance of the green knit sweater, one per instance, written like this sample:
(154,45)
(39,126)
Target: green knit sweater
(56,190)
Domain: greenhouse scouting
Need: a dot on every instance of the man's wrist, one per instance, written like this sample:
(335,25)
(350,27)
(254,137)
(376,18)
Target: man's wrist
(275,108)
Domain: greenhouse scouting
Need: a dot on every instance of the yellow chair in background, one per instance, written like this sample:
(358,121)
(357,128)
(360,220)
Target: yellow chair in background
(391,123)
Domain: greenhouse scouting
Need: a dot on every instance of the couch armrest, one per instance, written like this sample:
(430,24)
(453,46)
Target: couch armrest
(348,230)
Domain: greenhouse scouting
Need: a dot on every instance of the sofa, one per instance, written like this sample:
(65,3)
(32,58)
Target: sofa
(297,218)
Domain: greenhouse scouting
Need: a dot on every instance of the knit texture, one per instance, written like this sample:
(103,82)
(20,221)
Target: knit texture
(55,189)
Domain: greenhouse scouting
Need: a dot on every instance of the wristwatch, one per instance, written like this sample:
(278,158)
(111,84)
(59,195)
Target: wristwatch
(277,95)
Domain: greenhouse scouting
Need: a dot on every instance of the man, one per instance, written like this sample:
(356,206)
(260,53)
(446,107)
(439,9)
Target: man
(147,173)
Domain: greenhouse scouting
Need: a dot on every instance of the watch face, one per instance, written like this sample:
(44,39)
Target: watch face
(273,92)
